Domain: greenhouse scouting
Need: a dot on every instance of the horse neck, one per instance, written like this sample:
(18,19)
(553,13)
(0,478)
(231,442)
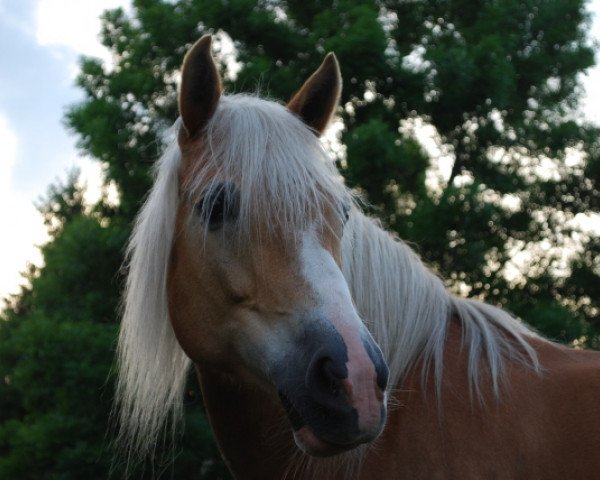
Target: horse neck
(408,310)
(247,424)
(255,438)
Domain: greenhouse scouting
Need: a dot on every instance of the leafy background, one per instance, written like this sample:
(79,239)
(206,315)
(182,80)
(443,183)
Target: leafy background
(459,122)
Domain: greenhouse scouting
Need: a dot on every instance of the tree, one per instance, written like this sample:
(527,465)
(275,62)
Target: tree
(57,342)
(496,82)
(487,90)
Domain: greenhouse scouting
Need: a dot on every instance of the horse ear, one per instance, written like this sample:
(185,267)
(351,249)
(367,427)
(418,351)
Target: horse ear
(200,87)
(318,98)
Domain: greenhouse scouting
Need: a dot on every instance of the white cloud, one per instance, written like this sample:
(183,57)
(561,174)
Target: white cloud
(22,225)
(74,24)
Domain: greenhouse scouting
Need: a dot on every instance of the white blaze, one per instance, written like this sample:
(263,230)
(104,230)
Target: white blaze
(330,288)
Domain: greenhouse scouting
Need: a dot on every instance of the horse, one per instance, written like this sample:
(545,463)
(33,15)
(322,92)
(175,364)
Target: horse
(324,347)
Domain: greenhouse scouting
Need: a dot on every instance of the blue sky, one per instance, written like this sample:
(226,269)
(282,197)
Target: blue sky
(41,41)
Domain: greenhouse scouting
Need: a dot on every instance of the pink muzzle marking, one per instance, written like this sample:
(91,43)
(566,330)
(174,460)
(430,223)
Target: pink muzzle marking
(361,385)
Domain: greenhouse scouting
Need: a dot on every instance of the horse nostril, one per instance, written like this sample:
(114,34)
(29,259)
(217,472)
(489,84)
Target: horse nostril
(325,377)
(331,377)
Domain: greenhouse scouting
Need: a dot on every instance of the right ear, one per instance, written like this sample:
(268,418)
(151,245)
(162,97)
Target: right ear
(316,101)
(200,88)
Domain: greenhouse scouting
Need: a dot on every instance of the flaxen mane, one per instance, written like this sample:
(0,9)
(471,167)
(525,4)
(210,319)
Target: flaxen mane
(285,177)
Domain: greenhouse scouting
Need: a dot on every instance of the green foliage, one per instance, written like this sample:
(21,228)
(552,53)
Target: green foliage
(71,286)
(57,343)
(497,82)
(63,203)
(396,164)
(55,373)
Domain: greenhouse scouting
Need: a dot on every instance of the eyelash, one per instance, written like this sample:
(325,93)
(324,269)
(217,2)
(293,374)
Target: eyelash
(219,205)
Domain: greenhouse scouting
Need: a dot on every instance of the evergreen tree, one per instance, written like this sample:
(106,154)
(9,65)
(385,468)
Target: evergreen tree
(57,341)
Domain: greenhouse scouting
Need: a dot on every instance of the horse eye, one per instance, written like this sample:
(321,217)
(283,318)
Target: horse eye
(219,205)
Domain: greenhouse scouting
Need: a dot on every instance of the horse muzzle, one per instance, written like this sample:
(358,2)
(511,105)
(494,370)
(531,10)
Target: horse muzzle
(333,390)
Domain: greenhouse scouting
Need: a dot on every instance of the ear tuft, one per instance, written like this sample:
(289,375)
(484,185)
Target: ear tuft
(318,98)
(200,87)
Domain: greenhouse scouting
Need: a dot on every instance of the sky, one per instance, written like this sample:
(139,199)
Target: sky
(41,42)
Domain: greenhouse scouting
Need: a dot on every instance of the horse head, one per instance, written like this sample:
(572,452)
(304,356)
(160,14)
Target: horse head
(255,288)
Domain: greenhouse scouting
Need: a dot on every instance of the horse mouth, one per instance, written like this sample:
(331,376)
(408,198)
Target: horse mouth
(308,441)
(307,438)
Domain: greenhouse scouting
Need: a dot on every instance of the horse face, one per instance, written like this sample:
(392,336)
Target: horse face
(273,310)
(278,314)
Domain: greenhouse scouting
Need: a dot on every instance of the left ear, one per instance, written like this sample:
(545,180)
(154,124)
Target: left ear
(318,98)
(200,88)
